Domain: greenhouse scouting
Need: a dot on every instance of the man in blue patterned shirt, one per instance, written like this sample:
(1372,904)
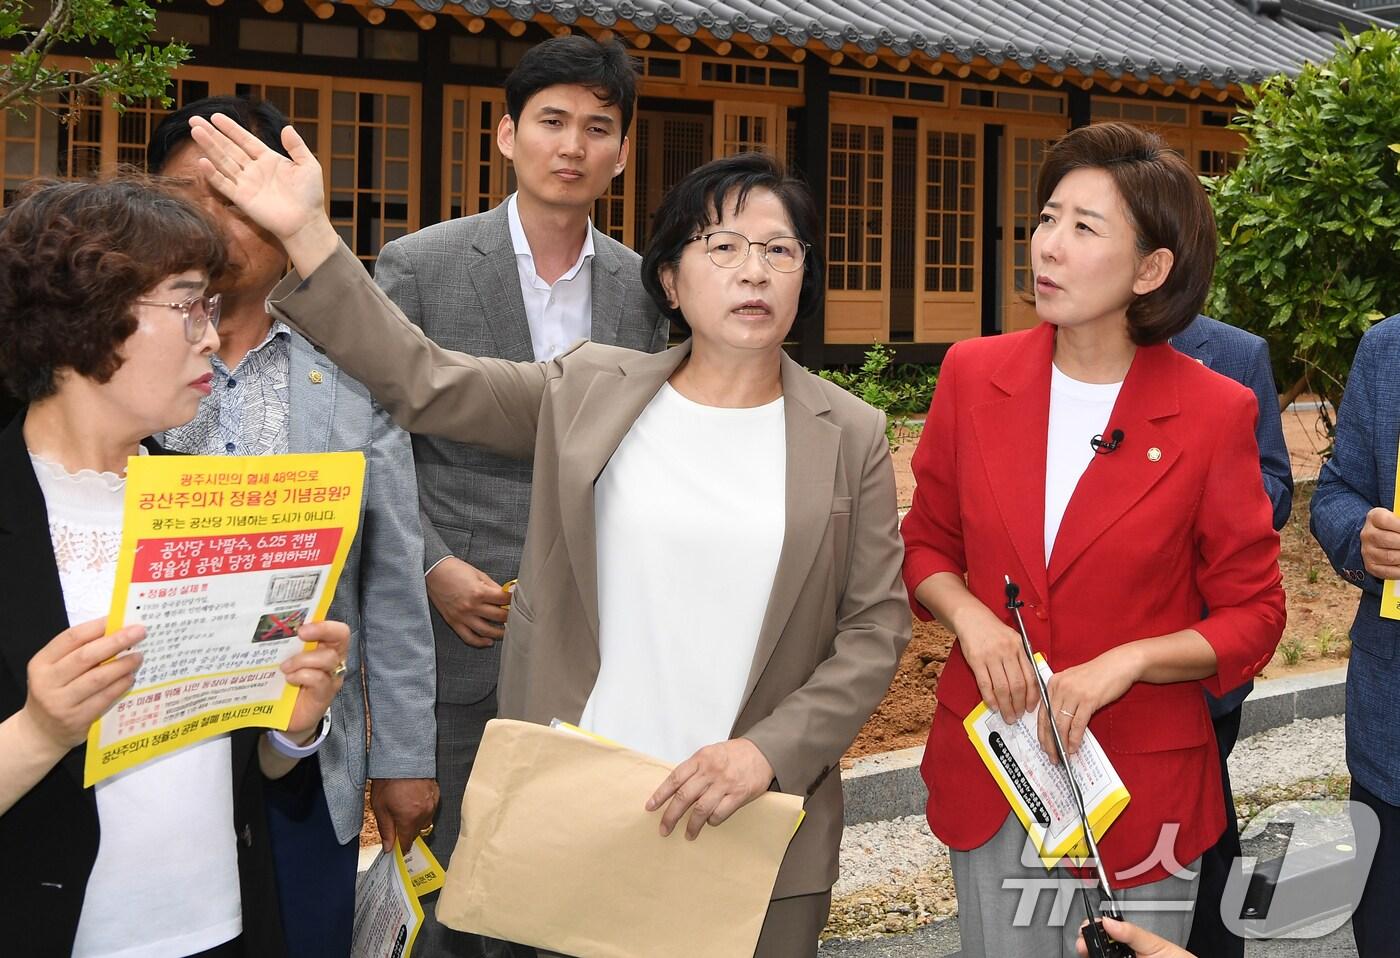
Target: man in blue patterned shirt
(273,392)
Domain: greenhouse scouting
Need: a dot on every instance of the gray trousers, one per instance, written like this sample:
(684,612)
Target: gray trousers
(460,728)
(1010,909)
(790,929)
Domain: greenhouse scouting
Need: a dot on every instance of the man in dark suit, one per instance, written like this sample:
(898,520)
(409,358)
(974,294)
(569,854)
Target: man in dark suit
(524,282)
(1243,357)
(1353,521)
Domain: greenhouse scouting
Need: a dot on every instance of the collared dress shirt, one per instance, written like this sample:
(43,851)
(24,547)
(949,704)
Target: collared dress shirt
(248,411)
(559,315)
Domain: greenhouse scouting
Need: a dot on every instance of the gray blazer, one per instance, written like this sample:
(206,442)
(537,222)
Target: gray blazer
(458,281)
(380,595)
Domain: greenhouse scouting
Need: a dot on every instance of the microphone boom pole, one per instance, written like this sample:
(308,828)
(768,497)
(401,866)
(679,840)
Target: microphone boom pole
(1099,944)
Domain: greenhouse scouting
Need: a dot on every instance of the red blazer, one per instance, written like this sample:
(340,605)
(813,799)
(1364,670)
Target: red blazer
(1148,539)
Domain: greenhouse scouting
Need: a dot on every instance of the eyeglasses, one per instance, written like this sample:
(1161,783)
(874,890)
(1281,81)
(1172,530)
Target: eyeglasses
(729,250)
(199,313)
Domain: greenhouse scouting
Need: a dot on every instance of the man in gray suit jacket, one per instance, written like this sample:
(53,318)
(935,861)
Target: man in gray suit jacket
(523,281)
(274,392)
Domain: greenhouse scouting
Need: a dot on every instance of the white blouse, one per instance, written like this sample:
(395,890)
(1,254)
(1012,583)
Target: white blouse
(690,519)
(1079,411)
(165,883)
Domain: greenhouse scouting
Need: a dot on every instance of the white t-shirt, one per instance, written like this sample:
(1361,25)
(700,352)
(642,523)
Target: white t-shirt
(690,518)
(1078,412)
(559,315)
(165,883)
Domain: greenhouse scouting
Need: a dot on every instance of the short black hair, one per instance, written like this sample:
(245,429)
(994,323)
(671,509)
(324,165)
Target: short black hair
(258,117)
(605,68)
(696,202)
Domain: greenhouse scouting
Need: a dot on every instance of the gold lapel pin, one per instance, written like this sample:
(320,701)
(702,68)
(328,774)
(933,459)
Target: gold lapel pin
(315,377)
(1154,454)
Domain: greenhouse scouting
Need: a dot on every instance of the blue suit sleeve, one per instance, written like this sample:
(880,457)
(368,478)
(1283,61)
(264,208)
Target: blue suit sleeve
(1348,486)
(1268,432)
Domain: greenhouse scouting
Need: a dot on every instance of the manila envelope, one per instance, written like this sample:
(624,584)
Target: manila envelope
(557,850)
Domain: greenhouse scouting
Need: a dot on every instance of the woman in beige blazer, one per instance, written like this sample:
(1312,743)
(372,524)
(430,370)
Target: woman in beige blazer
(820,645)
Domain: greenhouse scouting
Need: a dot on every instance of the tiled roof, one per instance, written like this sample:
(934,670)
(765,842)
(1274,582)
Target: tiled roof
(1201,42)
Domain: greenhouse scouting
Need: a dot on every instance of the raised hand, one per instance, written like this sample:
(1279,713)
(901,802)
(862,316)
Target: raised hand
(284,196)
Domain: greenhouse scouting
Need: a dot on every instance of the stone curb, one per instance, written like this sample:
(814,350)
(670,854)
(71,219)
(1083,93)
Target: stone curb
(880,787)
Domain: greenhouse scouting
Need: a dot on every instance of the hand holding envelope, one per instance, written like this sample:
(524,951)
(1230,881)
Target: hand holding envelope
(712,784)
(558,851)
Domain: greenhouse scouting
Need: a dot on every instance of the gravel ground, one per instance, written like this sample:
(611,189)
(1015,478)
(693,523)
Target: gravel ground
(895,875)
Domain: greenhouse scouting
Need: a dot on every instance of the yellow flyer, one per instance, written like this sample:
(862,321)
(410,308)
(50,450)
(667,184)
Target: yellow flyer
(387,912)
(223,559)
(423,868)
(1038,790)
(1390,601)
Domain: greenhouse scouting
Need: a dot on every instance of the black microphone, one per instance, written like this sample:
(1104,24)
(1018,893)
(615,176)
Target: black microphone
(1102,446)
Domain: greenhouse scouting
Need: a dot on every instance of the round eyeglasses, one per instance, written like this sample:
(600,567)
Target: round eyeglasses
(199,313)
(729,250)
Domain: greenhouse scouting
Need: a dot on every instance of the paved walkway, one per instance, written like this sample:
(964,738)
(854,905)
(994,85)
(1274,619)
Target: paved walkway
(901,853)
(940,940)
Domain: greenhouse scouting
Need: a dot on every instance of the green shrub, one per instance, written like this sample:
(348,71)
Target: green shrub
(1291,650)
(1310,220)
(898,391)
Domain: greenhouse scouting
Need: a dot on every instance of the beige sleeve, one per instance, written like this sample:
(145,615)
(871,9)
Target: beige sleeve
(491,403)
(806,735)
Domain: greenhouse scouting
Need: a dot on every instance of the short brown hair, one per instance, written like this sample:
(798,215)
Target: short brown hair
(1167,206)
(73,257)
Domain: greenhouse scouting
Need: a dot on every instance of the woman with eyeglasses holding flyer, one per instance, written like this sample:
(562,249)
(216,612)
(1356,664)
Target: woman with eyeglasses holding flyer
(105,334)
(711,573)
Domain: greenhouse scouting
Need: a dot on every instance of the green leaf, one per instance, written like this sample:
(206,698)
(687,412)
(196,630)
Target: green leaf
(1309,221)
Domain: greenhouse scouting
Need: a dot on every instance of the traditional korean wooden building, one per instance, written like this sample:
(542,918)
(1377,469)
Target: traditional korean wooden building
(920,123)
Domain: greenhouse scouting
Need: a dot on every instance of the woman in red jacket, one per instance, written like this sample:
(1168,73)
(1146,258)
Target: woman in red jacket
(1117,545)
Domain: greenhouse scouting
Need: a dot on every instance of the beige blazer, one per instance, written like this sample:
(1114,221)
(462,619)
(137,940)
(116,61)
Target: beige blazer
(837,618)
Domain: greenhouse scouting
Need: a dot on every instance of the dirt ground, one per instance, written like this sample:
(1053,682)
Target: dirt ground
(1320,607)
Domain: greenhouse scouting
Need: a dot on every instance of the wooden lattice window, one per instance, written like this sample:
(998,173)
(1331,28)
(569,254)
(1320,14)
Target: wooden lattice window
(950,217)
(136,124)
(1217,162)
(373,159)
(60,138)
(745,133)
(610,209)
(856,207)
(665,147)
(1027,156)
(301,105)
(476,176)
(1139,111)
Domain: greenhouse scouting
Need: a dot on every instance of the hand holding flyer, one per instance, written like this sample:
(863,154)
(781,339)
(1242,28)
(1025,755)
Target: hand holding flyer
(387,912)
(223,559)
(1038,789)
